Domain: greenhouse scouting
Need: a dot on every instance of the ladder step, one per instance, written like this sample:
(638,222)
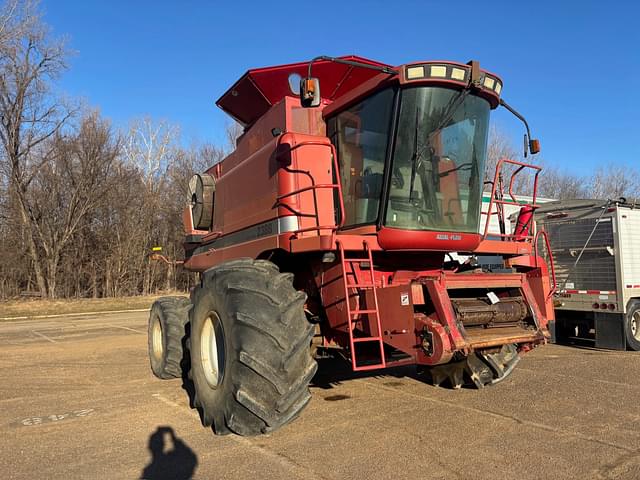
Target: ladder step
(364,263)
(367,339)
(369,367)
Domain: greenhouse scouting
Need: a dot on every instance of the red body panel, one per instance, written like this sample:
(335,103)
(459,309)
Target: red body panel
(395,239)
(257,90)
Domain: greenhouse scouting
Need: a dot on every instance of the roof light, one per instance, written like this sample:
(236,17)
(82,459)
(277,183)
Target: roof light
(457,73)
(438,71)
(453,73)
(415,72)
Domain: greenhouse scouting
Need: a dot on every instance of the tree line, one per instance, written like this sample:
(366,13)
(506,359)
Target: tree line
(82,203)
(611,181)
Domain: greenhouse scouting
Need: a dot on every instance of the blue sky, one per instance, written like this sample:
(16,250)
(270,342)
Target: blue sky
(570,67)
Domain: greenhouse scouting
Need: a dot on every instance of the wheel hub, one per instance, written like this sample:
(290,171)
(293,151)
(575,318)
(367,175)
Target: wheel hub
(212,350)
(635,325)
(156,338)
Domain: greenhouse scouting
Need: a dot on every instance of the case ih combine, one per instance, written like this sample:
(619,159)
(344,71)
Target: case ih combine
(351,183)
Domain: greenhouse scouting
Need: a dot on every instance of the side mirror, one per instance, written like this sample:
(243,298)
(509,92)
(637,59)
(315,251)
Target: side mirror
(534,146)
(310,92)
(531,145)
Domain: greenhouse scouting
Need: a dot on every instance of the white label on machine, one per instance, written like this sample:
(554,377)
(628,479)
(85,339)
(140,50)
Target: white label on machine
(569,286)
(404,299)
(603,297)
(493,298)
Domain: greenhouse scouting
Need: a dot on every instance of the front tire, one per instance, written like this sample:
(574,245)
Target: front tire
(166,330)
(250,359)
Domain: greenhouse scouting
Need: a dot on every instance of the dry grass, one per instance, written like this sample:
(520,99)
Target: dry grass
(35,307)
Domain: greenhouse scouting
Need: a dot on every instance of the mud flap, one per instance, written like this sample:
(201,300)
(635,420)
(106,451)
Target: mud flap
(610,331)
(478,369)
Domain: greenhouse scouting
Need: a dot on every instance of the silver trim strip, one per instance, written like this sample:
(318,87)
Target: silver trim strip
(266,229)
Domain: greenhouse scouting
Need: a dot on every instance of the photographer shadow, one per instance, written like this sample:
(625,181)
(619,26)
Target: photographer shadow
(171,458)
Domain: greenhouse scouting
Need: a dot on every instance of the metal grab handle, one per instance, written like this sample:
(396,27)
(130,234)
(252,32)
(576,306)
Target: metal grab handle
(553,268)
(494,189)
(336,186)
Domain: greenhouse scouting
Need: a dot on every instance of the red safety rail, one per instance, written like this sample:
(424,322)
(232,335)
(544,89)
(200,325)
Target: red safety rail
(314,187)
(347,270)
(497,188)
(547,245)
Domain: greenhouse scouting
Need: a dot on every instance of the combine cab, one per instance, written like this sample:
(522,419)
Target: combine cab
(352,182)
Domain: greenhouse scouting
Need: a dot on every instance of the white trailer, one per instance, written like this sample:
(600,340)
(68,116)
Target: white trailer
(596,249)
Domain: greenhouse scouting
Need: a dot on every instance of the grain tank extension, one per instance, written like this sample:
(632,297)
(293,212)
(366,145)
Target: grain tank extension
(351,183)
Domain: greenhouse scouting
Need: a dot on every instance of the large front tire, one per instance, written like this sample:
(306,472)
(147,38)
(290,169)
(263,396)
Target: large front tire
(250,359)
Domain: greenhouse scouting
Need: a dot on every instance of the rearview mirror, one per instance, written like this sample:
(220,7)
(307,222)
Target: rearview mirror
(534,146)
(310,92)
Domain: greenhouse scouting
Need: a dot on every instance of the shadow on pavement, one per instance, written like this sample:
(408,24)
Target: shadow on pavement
(171,458)
(333,370)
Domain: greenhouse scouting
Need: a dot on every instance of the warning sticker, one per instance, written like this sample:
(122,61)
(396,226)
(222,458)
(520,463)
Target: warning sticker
(404,299)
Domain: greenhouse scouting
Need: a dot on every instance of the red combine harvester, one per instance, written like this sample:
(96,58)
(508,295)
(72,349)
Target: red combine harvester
(352,182)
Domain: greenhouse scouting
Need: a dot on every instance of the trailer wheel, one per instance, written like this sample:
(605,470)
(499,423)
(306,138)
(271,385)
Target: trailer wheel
(250,359)
(166,330)
(632,325)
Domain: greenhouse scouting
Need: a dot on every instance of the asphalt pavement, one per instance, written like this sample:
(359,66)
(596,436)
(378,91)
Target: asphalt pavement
(78,400)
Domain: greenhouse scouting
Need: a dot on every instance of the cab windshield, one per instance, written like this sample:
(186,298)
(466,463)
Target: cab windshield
(437,164)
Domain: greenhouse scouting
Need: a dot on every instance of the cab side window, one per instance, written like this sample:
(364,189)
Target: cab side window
(361,135)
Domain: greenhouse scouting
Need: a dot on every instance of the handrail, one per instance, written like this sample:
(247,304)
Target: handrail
(496,180)
(551,262)
(314,187)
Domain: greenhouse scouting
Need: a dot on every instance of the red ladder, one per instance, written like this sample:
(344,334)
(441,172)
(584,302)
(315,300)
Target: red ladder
(347,270)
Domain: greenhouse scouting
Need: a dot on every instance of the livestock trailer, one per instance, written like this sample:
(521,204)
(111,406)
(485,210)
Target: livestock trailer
(596,248)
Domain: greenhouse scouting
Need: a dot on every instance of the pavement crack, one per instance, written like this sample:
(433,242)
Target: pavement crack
(612,470)
(125,328)
(539,425)
(42,335)
(598,380)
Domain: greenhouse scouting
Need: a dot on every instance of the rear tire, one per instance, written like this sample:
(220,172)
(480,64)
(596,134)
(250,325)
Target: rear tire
(632,325)
(166,330)
(250,359)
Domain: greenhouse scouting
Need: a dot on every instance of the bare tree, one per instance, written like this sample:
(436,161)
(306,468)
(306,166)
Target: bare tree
(69,187)
(613,182)
(233,130)
(29,115)
(500,146)
(151,148)
(560,185)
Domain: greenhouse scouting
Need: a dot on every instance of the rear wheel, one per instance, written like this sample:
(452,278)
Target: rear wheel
(632,325)
(166,330)
(250,359)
